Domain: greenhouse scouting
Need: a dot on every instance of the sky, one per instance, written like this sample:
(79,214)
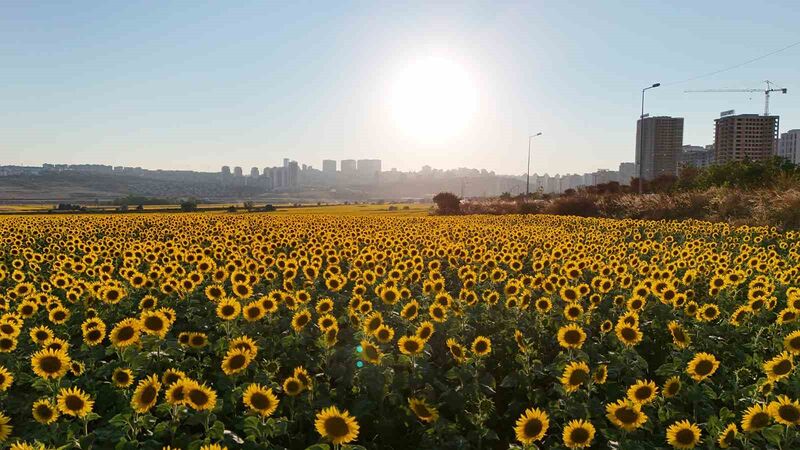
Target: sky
(197,85)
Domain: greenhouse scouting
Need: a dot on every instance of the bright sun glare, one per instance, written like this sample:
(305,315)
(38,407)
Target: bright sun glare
(433,100)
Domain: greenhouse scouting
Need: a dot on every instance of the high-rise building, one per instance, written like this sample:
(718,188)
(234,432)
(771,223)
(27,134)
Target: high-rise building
(627,170)
(237,171)
(329,166)
(348,167)
(369,169)
(254,172)
(226,171)
(789,146)
(662,138)
(696,156)
(745,136)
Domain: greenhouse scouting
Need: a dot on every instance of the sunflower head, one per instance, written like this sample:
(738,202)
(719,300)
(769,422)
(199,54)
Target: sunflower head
(339,427)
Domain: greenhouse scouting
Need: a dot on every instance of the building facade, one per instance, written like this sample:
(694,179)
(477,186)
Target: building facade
(329,166)
(745,137)
(696,156)
(789,146)
(658,146)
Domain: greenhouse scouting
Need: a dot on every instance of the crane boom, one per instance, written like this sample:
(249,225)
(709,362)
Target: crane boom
(766,92)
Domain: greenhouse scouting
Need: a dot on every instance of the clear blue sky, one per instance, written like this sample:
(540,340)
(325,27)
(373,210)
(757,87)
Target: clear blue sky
(193,85)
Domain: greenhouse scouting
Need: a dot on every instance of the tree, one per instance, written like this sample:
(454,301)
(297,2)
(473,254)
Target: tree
(447,203)
(189,206)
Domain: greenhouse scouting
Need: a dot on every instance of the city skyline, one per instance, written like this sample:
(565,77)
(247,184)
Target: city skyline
(195,88)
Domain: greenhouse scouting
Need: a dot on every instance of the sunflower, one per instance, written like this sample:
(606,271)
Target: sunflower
(481,346)
(122,378)
(571,336)
(756,418)
(543,305)
(679,336)
(5,428)
(425,330)
(245,343)
(683,434)
(785,410)
(779,367)
(95,335)
(600,374)
(671,387)
(154,323)
(260,400)
(199,396)
(628,334)
(642,392)
(6,379)
(626,414)
(50,363)
(573,311)
(7,344)
(176,392)
(606,326)
(727,436)
(578,434)
(236,360)
(384,334)
(197,340)
(125,333)
(146,394)
(411,345)
(531,426)
(228,308)
(339,427)
(253,311)
(702,366)
(423,410)
(575,374)
(301,374)
(74,402)
(44,411)
(292,386)
(410,310)
(171,376)
(41,334)
(300,319)
(791,343)
(371,352)
(456,350)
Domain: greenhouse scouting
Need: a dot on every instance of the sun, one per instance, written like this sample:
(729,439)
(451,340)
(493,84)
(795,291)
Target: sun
(433,100)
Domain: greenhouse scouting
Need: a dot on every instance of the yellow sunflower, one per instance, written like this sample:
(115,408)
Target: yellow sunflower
(5,427)
(146,394)
(785,410)
(125,333)
(571,336)
(578,434)
(683,435)
(791,343)
(74,402)
(574,376)
(260,400)
(44,411)
(236,361)
(626,414)
(199,396)
(671,387)
(122,378)
(531,426)
(50,363)
(779,367)
(702,366)
(727,436)
(481,346)
(410,345)
(757,417)
(423,410)
(643,392)
(339,427)
(6,379)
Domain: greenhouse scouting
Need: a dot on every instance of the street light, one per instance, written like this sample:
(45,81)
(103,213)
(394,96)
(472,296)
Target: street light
(528,177)
(641,135)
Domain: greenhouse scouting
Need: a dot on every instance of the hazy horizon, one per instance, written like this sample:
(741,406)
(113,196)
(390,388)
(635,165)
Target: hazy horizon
(195,86)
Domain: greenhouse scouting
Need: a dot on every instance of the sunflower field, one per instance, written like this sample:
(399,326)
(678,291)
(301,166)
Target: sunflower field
(213,331)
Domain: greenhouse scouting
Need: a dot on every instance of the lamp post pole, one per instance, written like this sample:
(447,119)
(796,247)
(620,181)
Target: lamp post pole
(641,136)
(528,176)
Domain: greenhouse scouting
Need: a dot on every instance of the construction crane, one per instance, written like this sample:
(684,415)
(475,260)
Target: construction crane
(766,92)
